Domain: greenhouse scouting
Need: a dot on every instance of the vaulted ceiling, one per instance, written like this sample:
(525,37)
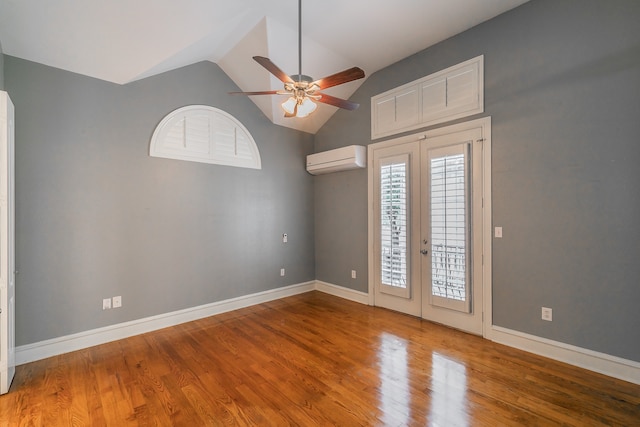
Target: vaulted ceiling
(123,40)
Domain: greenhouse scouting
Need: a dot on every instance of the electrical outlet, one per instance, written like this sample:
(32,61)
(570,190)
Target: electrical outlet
(547,314)
(106,303)
(285,238)
(117,302)
(282,271)
(353,274)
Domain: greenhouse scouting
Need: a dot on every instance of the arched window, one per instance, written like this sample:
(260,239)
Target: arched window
(200,133)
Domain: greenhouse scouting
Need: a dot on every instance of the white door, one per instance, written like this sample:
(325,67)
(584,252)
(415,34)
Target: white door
(428,224)
(451,230)
(7,247)
(396,220)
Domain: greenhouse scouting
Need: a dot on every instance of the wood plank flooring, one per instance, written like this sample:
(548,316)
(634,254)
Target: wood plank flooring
(309,360)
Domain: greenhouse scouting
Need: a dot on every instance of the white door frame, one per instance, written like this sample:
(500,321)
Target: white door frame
(7,244)
(485,125)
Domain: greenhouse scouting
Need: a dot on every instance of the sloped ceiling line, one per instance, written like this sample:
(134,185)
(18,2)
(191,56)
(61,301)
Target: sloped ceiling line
(122,41)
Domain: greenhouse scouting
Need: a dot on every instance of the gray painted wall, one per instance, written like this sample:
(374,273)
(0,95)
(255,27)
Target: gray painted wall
(561,85)
(97,217)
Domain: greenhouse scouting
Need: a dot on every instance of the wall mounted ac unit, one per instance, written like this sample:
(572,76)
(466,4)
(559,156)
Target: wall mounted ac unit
(340,159)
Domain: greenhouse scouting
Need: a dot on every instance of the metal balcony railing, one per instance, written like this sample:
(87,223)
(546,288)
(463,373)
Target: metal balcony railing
(449,271)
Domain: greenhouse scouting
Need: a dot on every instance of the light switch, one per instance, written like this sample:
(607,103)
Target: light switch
(498,232)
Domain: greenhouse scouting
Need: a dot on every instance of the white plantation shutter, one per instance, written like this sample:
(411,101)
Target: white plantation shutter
(197,131)
(449,224)
(449,94)
(394,208)
(200,133)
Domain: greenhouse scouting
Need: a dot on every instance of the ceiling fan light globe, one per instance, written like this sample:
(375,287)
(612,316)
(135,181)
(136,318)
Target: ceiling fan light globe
(306,107)
(289,105)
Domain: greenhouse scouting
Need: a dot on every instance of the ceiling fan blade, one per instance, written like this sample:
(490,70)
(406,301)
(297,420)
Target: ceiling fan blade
(264,92)
(345,76)
(337,102)
(273,69)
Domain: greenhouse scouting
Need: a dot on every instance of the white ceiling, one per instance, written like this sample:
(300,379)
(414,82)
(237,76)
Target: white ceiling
(123,40)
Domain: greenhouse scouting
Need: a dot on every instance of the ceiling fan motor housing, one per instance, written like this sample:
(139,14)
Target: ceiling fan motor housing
(301,78)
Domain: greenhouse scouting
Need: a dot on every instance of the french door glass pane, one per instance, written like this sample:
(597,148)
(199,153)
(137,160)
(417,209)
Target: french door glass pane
(393,224)
(448,227)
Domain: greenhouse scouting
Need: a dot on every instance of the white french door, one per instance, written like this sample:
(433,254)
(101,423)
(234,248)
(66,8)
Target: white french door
(429,224)
(396,219)
(451,229)
(7,260)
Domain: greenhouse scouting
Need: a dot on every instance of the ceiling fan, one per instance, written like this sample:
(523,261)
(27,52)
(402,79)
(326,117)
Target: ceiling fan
(302,89)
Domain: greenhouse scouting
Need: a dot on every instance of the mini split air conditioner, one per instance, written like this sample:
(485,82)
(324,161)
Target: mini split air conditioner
(340,159)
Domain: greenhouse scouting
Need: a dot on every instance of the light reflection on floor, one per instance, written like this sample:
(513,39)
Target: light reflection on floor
(448,392)
(394,381)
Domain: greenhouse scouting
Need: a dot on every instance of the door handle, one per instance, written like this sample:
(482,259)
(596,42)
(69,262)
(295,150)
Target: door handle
(424,251)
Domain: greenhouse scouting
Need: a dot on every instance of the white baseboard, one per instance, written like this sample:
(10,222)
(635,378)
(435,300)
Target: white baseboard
(612,366)
(606,364)
(342,292)
(55,346)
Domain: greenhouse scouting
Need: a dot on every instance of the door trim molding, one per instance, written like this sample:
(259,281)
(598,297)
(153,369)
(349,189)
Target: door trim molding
(7,242)
(483,123)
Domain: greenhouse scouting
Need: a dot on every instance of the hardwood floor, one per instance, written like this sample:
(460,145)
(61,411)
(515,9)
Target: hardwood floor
(309,360)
